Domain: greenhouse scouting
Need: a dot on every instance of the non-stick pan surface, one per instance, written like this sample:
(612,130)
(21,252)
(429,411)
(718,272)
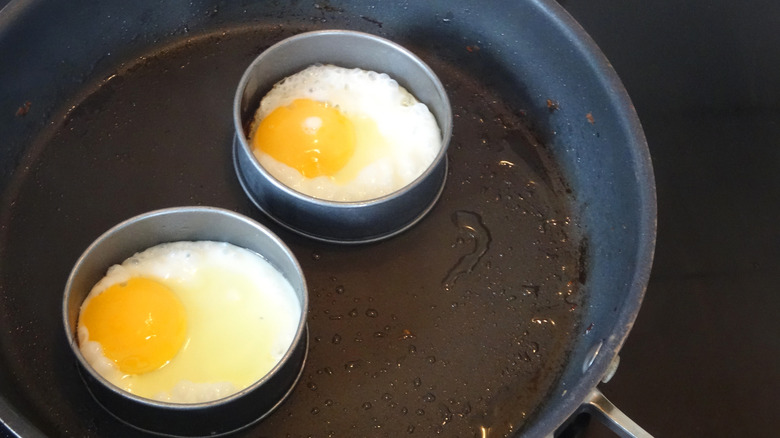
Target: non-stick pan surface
(478,321)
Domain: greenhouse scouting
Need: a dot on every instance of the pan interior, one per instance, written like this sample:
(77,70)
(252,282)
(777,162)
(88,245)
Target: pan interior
(460,326)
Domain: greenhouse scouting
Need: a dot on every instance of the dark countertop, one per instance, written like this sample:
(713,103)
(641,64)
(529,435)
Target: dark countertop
(703,358)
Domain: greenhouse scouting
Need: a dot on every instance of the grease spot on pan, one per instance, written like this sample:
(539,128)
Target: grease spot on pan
(470,223)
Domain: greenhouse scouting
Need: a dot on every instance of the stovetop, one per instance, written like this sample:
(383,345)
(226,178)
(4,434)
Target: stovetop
(703,358)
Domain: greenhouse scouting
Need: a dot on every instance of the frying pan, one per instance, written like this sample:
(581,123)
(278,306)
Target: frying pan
(497,315)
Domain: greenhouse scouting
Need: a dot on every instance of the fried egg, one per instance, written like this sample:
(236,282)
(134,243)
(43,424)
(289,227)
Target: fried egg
(188,322)
(343,134)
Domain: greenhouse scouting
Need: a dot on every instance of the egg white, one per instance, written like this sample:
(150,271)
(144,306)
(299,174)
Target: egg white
(242,316)
(405,144)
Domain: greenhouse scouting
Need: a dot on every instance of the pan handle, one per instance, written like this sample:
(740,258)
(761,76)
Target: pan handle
(598,406)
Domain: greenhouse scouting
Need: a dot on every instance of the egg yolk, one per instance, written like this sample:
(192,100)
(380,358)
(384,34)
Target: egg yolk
(313,137)
(140,324)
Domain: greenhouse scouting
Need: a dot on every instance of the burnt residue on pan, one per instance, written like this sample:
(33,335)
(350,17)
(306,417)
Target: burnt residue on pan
(459,326)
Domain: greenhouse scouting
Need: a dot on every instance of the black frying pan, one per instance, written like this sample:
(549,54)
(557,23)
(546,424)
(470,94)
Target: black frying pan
(497,314)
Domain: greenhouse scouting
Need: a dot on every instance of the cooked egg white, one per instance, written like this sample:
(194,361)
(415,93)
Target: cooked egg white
(343,134)
(188,322)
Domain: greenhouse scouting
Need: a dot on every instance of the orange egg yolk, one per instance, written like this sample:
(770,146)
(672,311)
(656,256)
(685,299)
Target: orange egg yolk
(140,324)
(313,137)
